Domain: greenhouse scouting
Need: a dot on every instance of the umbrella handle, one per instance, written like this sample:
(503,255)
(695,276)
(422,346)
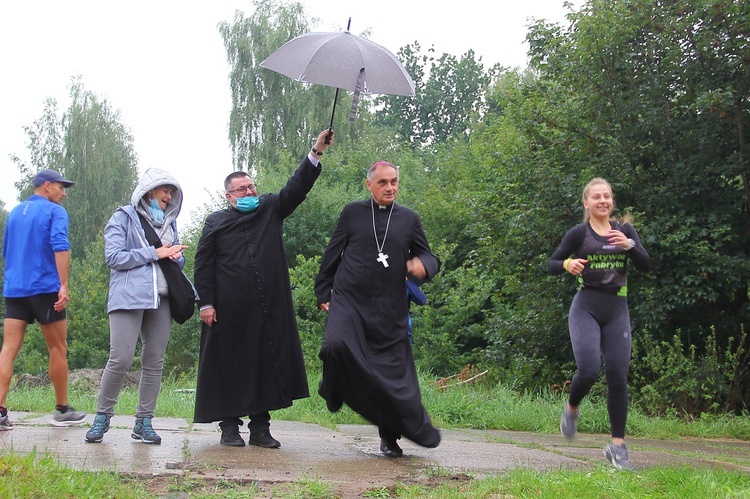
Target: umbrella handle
(330,127)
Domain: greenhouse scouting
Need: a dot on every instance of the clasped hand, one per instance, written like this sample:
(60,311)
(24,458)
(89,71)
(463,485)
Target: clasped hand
(617,238)
(171,251)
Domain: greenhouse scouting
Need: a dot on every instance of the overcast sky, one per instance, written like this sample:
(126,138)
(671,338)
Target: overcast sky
(162,64)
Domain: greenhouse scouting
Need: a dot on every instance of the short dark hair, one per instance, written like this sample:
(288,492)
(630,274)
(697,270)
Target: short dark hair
(232,176)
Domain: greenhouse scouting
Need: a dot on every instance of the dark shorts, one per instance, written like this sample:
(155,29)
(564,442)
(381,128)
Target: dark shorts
(39,307)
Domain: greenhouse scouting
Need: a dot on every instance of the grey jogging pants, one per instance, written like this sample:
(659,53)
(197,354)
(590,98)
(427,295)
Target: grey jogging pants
(125,327)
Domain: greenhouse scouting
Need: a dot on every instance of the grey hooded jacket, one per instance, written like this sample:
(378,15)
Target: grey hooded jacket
(135,276)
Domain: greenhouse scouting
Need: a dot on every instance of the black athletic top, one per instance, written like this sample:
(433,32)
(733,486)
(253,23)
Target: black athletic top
(606,269)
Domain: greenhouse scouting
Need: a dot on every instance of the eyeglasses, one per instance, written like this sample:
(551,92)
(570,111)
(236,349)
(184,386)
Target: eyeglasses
(243,189)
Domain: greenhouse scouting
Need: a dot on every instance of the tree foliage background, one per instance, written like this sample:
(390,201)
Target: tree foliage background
(90,145)
(654,96)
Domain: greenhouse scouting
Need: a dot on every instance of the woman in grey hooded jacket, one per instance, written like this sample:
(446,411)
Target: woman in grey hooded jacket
(138,305)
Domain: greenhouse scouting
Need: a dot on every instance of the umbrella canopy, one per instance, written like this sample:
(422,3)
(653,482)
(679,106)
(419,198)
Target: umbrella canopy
(341,60)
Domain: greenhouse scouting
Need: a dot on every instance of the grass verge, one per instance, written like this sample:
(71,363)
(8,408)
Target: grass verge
(480,407)
(466,406)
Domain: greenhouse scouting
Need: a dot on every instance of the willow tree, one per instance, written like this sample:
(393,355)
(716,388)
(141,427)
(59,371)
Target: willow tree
(270,112)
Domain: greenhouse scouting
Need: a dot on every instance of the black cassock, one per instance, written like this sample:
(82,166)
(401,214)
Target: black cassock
(251,358)
(367,358)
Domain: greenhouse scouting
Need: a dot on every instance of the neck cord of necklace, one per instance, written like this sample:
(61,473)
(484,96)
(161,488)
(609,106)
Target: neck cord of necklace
(381,257)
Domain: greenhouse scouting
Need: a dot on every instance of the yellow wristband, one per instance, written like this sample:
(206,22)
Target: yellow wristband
(565,264)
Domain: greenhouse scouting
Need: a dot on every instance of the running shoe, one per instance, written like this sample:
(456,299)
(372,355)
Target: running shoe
(5,423)
(618,456)
(144,432)
(99,427)
(568,423)
(70,417)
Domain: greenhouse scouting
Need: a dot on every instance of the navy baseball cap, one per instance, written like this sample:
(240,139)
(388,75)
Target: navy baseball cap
(51,176)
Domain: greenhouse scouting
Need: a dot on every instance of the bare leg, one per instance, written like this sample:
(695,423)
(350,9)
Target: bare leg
(14,331)
(55,334)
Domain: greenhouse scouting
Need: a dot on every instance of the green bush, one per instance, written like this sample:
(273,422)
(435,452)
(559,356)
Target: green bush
(33,358)
(671,379)
(310,319)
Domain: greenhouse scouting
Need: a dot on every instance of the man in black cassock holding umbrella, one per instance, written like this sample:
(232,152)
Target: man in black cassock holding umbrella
(250,356)
(367,358)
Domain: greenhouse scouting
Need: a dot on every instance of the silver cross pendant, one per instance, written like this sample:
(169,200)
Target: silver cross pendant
(383,259)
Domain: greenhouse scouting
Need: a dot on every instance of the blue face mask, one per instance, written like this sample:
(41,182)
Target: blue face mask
(248,203)
(156,211)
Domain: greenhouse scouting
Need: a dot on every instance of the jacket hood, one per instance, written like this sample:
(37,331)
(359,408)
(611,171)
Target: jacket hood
(152,178)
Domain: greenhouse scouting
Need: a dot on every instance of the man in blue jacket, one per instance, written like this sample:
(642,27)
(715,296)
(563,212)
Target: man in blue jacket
(37,257)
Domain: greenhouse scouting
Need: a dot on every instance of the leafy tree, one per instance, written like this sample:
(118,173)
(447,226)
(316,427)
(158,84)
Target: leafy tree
(519,221)
(661,108)
(88,322)
(310,319)
(400,114)
(99,157)
(650,95)
(90,145)
(183,350)
(449,97)
(270,112)
(46,148)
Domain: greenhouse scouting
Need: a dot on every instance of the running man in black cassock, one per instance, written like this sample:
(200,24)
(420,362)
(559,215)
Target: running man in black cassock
(367,359)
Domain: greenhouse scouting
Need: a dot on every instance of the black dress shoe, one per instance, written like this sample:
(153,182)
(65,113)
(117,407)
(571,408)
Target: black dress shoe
(231,436)
(390,448)
(263,438)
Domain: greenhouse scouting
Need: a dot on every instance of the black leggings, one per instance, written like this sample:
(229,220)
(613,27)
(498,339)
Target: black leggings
(600,327)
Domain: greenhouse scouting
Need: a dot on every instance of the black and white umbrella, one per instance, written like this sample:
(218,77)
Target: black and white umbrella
(344,61)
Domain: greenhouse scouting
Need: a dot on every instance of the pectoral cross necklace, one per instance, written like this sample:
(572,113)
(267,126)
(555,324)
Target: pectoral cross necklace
(381,257)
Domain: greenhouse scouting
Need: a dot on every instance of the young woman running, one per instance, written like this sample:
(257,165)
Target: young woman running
(596,252)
